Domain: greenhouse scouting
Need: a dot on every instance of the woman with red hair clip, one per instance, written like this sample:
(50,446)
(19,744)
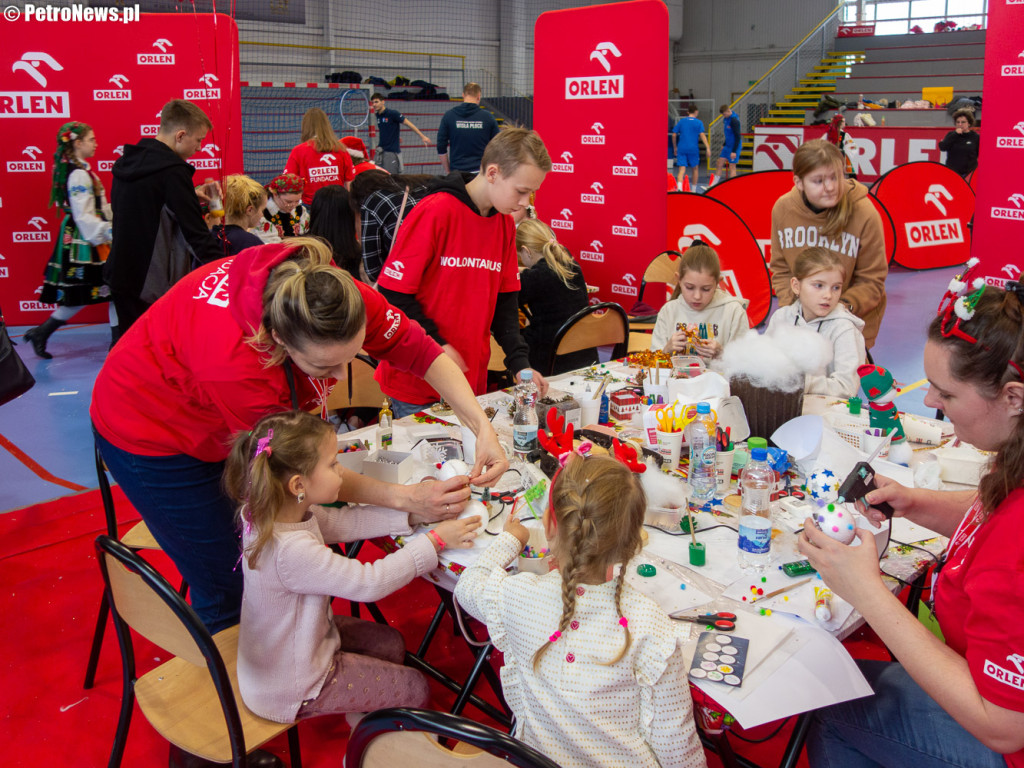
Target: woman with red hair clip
(594,670)
(958,702)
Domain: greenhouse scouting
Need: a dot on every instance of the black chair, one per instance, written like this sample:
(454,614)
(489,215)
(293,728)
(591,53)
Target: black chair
(136,538)
(384,738)
(191,700)
(599,325)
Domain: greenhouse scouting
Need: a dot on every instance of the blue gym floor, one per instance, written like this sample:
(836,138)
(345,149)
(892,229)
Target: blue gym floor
(50,423)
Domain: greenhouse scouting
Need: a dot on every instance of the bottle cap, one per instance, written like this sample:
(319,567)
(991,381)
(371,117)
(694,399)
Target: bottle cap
(703,408)
(759,454)
(756,442)
(526,375)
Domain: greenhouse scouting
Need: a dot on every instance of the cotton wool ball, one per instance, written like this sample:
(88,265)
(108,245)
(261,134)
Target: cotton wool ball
(663,490)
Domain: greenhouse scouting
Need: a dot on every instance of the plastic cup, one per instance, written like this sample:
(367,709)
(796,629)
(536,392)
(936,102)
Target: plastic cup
(697,554)
(590,410)
(670,445)
(723,469)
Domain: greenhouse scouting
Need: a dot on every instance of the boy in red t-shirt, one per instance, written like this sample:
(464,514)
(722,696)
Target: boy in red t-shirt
(453,266)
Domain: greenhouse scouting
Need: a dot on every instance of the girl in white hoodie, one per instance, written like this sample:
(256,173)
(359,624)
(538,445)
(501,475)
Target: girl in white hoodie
(817,283)
(700,314)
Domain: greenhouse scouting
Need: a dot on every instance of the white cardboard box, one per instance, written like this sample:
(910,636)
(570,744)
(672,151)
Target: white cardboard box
(389,466)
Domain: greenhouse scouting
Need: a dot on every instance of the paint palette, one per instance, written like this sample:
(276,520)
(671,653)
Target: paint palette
(720,658)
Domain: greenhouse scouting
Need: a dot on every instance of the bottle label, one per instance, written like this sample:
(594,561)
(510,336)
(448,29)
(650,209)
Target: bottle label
(524,438)
(708,455)
(755,540)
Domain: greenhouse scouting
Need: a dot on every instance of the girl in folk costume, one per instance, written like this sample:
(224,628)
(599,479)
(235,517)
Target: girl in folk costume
(284,215)
(837,135)
(74,274)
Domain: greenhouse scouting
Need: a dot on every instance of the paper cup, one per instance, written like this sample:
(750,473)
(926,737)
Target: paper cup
(590,411)
(468,446)
(723,469)
(669,445)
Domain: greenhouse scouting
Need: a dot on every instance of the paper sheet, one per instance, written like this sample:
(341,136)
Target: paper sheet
(664,587)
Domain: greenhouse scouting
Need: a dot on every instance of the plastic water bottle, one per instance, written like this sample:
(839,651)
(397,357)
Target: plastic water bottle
(755,540)
(524,424)
(700,435)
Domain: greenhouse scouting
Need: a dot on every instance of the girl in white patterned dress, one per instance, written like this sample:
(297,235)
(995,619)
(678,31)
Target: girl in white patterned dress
(593,668)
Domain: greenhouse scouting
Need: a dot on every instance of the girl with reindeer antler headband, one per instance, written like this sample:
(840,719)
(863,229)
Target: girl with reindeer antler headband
(961,701)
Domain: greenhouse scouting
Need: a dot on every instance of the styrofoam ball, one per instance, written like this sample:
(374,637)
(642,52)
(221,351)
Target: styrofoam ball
(477,508)
(453,468)
(823,486)
(836,521)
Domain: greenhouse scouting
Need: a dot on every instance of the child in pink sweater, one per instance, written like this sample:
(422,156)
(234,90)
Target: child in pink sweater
(295,658)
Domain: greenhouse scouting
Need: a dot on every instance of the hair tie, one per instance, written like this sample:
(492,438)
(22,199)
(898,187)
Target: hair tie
(263,444)
(552,241)
(623,621)
(554,637)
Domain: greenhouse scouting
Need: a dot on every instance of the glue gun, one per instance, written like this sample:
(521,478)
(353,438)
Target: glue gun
(859,483)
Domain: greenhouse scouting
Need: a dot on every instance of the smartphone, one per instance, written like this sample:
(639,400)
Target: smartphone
(798,568)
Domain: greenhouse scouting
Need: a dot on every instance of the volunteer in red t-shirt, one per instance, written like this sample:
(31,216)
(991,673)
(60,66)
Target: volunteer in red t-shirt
(453,267)
(960,702)
(321,159)
(271,329)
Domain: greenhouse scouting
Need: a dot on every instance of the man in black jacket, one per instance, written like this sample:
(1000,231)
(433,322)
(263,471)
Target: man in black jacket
(157,211)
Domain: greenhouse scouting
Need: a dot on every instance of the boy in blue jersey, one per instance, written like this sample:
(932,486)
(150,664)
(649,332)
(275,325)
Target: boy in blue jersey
(690,131)
(731,146)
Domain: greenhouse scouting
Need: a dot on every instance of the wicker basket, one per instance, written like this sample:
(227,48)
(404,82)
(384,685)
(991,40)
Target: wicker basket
(766,409)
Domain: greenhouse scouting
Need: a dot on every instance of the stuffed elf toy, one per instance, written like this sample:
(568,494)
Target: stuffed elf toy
(879,389)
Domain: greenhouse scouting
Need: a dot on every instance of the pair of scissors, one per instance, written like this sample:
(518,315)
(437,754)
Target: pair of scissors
(667,419)
(723,621)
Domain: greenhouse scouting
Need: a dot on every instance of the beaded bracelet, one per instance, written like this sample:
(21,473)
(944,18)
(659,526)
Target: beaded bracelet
(437,539)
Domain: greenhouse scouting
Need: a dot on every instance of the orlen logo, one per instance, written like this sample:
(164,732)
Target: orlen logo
(118,93)
(565,222)
(208,163)
(209,93)
(3,272)
(37,235)
(628,289)
(596,197)
(602,86)
(157,58)
(35,306)
(150,130)
(27,166)
(327,171)
(727,282)
(595,255)
(775,151)
(1016,213)
(108,165)
(693,232)
(394,270)
(629,230)
(1012,142)
(628,169)
(596,137)
(565,166)
(922,234)
(35,103)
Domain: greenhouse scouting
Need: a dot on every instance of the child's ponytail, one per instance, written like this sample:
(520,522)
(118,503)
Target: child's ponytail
(537,237)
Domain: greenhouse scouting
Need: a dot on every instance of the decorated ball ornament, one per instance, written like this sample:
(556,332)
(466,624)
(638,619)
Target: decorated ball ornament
(453,468)
(836,521)
(823,486)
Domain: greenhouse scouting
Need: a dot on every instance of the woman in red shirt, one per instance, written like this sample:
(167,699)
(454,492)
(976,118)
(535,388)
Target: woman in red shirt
(320,159)
(960,702)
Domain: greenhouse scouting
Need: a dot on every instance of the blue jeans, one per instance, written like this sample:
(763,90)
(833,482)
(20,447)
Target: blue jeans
(181,500)
(899,726)
(400,408)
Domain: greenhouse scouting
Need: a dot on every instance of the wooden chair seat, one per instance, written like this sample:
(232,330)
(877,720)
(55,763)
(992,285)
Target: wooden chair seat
(139,537)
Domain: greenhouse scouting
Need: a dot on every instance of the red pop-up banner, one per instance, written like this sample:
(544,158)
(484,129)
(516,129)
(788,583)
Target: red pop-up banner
(605,195)
(132,69)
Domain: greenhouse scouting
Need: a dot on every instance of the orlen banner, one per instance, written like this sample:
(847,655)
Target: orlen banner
(744,274)
(875,152)
(130,71)
(999,213)
(605,195)
(931,207)
(752,196)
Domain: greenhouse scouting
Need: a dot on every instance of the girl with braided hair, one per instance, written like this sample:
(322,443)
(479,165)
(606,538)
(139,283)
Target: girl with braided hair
(593,668)
(74,274)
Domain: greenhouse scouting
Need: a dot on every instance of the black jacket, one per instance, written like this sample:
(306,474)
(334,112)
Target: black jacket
(550,303)
(148,179)
(961,151)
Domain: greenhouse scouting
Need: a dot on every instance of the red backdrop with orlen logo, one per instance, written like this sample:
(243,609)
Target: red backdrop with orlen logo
(116,77)
(601,75)
(999,208)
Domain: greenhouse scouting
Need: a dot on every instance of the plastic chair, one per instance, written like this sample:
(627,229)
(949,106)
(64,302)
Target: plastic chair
(191,700)
(136,538)
(386,737)
(598,325)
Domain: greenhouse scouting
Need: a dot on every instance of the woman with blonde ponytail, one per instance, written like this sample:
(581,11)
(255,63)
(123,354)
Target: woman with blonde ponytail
(594,671)
(958,700)
(551,290)
(268,330)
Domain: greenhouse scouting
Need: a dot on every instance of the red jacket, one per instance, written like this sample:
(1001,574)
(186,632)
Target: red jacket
(183,380)
(319,169)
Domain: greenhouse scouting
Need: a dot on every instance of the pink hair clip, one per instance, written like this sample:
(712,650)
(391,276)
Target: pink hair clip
(624,622)
(554,637)
(263,444)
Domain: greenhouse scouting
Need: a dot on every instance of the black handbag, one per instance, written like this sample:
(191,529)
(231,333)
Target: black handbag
(15,380)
